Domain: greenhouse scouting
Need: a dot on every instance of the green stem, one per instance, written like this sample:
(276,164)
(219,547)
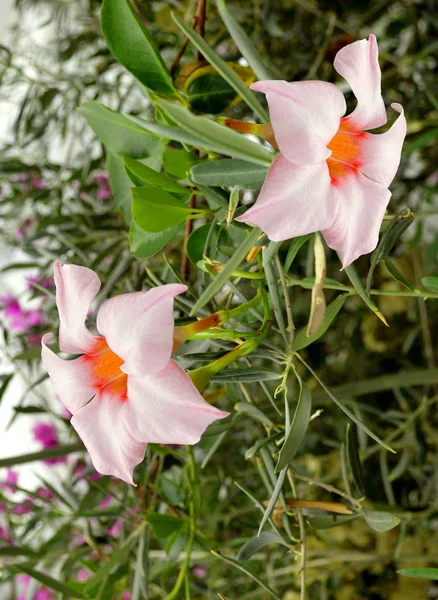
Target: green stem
(223,334)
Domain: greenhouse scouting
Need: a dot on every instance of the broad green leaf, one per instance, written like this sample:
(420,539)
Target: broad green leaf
(195,247)
(48,581)
(228,173)
(177,163)
(53,452)
(29,354)
(222,68)
(133,46)
(144,244)
(163,525)
(420,573)
(380,521)
(243,42)
(353,457)
(217,137)
(431,283)
(210,93)
(222,278)
(119,133)
(120,185)
(354,278)
(293,249)
(153,177)
(248,375)
(155,210)
(255,544)
(302,339)
(329,521)
(298,428)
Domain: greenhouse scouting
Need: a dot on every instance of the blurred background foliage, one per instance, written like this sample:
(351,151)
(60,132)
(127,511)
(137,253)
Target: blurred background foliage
(56,203)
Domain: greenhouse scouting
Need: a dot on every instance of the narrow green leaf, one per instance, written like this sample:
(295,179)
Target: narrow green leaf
(255,544)
(293,249)
(396,274)
(380,521)
(252,374)
(17,551)
(144,244)
(420,573)
(354,278)
(329,521)
(48,581)
(121,134)
(243,42)
(54,452)
(153,177)
(353,457)
(239,566)
(222,68)
(273,499)
(302,340)
(5,380)
(228,173)
(155,210)
(132,45)
(217,137)
(431,283)
(254,412)
(120,185)
(221,279)
(117,557)
(298,428)
(29,354)
(163,525)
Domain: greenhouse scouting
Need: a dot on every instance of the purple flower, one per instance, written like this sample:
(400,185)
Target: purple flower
(24,508)
(4,535)
(100,178)
(25,228)
(38,183)
(103,193)
(46,434)
(11,481)
(46,283)
(19,318)
(116,528)
(199,571)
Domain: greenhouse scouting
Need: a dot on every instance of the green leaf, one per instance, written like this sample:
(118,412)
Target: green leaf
(254,412)
(53,452)
(353,276)
(217,137)
(117,557)
(5,380)
(153,177)
(163,526)
(272,501)
(298,428)
(177,163)
(255,544)
(431,283)
(302,340)
(227,172)
(329,521)
(243,42)
(195,247)
(132,45)
(293,249)
(29,354)
(155,210)
(248,375)
(121,134)
(120,185)
(48,581)
(144,244)
(420,573)
(380,521)
(220,279)
(396,274)
(353,457)
(209,93)
(17,551)
(222,68)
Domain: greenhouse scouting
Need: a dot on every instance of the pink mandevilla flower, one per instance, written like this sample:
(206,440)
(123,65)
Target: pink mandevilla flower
(331,174)
(138,393)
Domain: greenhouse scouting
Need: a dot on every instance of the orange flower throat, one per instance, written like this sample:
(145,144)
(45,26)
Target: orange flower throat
(345,157)
(105,369)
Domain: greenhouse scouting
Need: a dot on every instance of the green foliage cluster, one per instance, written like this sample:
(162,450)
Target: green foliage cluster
(322,483)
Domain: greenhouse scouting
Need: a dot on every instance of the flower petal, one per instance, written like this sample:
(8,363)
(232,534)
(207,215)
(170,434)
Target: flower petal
(358,63)
(305,116)
(138,327)
(360,206)
(167,408)
(381,152)
(75,289)
(71,379)
(294,200)
(102,427)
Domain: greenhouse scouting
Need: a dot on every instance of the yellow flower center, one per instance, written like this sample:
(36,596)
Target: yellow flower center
(105,368)
(345,157)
